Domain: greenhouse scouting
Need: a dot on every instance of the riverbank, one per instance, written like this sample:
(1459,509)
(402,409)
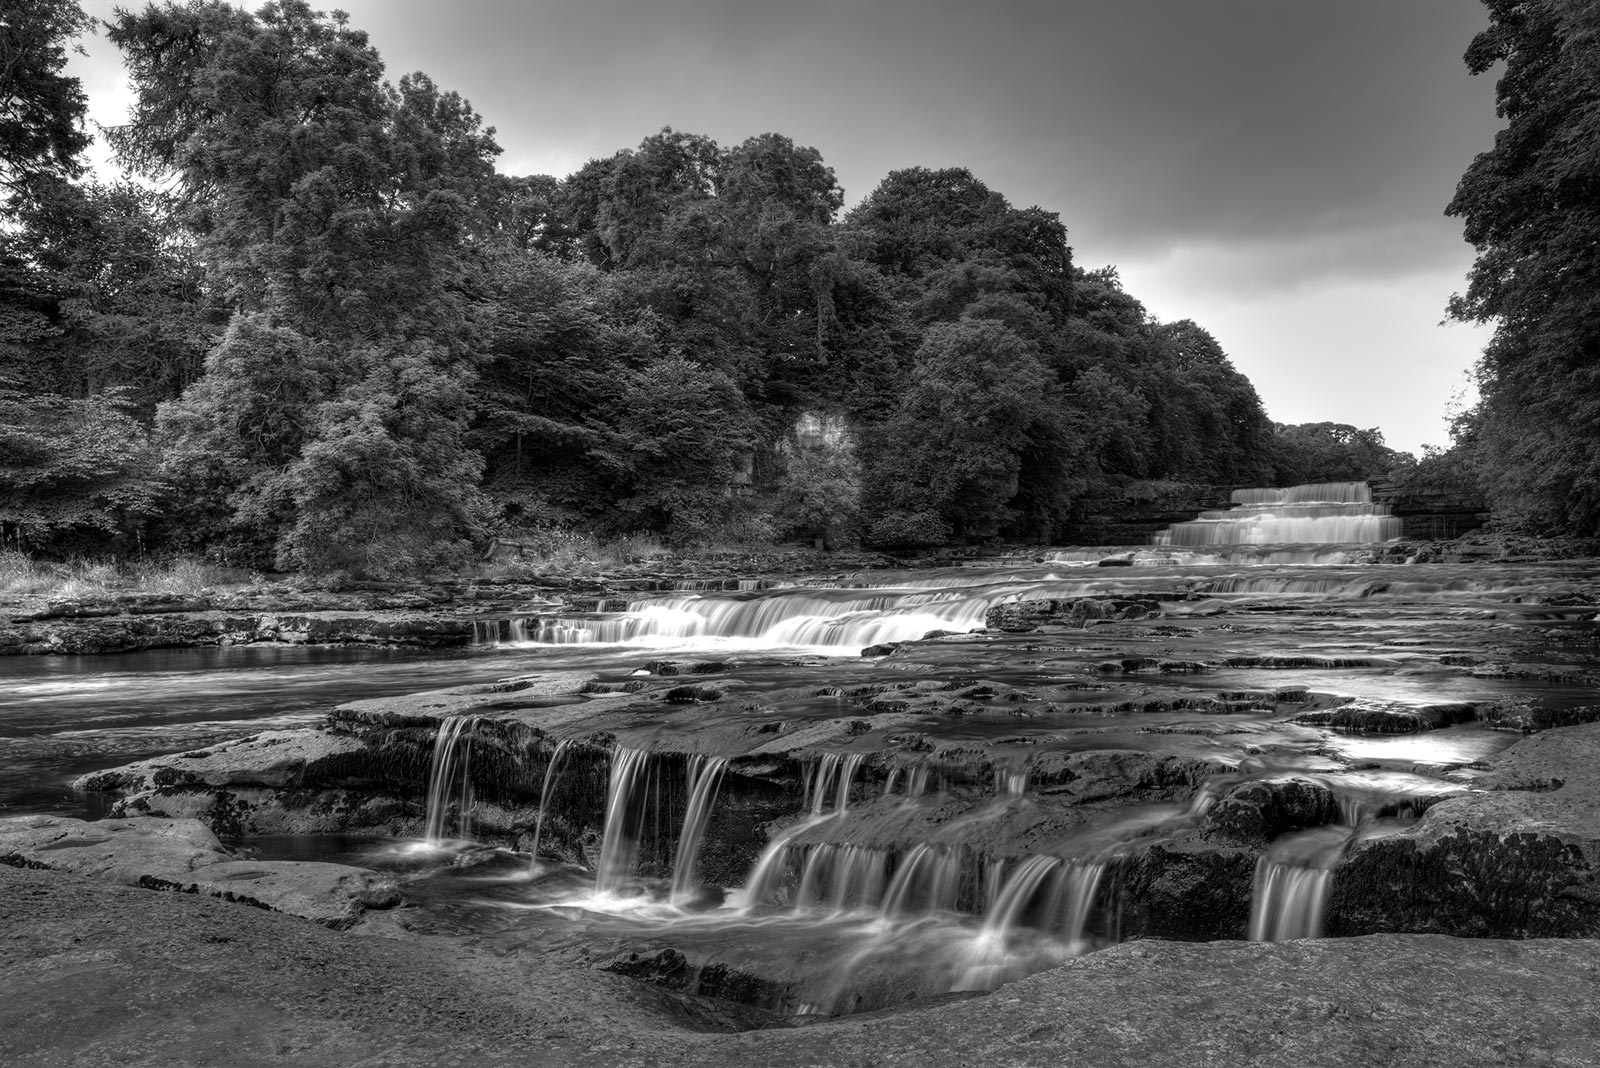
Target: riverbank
(101,974)
(457,610)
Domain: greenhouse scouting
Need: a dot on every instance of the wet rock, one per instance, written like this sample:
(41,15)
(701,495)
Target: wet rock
(1018,617)
(883,649)
(300,758)
(1260,810)
(334,895)
(1369,717)
(1530,719)
(690,695)
(1189,889)
(1518,858)
(116,850)
(687,667)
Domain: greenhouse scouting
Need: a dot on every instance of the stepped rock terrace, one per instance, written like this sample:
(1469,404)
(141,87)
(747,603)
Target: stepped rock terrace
(800,799)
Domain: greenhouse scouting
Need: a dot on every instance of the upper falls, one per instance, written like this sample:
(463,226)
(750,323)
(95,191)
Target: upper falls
(1324,513)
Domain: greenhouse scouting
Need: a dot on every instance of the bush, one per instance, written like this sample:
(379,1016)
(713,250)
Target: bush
(909,530)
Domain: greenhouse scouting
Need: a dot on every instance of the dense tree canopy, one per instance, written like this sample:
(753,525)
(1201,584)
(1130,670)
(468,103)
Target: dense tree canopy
(338,340)
(1531,207)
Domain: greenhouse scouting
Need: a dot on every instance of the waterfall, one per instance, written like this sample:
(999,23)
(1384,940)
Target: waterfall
(452,749)
(1324,513)
(1010,782)
(990,959)
(512,631)
(1286,901)
(835,772)
(619,845)
(927,881)
(552,774)
(705,774)
(767,877)
(842,877)
(1072,898)
(1292,883)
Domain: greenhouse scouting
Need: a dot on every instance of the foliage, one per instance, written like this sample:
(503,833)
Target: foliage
(1330,452)
(325,334)
(819,494)
(1531,208)
(41,108)
(70,466)
(953,447)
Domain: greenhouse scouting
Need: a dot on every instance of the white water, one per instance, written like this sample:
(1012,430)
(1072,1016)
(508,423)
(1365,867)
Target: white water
(619,846)
(552,775)
(705,775)
(1323,513)
(452,749)
(1292,882)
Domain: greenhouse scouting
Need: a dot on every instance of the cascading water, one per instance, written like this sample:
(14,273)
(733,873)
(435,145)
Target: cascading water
(512,631)
(927,881)
(452,750)
(705,775)
(619,846)
(1323,513)
(1292,882)
(1065,907)
(835,773)
(552,775)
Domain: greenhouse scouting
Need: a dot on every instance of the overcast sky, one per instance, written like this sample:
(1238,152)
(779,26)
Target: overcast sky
(1276,170)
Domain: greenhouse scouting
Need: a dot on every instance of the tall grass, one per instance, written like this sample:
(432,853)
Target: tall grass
(562,551)
(84,579)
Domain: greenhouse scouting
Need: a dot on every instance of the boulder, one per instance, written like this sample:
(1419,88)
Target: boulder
(1517,858)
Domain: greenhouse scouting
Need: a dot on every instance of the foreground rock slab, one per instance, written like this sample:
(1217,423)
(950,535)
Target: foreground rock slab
(120,851)
(243,987)
(184,856)
(334,895)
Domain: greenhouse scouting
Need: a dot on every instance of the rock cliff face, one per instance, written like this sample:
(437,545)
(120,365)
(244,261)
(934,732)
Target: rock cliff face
(1134,519)
(1431,514)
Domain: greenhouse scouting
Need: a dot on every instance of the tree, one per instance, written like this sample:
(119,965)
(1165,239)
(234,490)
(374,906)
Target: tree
(1531,208)
(675,438)
(41,108)
(953,449)
(340,218)
(70,467)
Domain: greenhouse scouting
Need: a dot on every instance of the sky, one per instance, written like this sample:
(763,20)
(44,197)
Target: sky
(1275,170)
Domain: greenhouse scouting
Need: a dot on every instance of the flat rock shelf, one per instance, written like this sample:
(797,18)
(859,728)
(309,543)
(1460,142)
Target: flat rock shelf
(1197,805)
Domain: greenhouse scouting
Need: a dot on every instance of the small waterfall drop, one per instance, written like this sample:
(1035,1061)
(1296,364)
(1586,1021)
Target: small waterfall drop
(619,846)
(834,775)
(705,775)
(552,775)
(927,881)
(1292,882)
(452,752)
(1329,513)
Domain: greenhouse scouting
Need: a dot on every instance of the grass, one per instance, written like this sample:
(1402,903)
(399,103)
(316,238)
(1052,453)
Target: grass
(562,551)
(84,579)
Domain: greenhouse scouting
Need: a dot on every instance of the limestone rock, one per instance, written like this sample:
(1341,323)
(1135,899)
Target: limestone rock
(1017,617)
(1519,857)
(334,895)
(119,850)
(272,758)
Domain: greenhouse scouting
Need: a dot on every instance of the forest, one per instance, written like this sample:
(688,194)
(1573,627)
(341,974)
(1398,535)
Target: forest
(312,328)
